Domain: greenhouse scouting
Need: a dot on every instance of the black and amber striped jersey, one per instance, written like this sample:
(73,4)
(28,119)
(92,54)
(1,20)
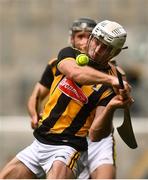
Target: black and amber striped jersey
(48,74)
(70,109)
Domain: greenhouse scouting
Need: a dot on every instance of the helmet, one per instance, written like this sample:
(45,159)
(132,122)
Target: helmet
(81,24)
(111,34)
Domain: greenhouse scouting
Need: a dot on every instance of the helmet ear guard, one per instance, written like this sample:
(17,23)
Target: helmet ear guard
(119,50)
(115,53)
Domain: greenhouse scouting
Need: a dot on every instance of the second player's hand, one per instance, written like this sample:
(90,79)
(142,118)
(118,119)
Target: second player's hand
(34,121)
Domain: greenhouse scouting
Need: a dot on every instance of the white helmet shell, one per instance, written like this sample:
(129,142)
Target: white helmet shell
(111,33)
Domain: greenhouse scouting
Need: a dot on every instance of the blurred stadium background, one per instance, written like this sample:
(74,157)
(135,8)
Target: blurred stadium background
(33,31)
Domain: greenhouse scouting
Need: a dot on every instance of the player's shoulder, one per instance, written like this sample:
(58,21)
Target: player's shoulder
(52,62)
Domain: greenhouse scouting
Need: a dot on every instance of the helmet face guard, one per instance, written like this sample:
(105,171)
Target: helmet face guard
(99,51)
(82,24)
(110,33)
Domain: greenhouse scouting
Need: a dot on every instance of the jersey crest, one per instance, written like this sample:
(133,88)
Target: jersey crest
(69,88)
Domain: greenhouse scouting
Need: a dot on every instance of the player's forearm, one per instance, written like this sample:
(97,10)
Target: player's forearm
(102,125)
(84,75)
(87,76)
(33,101)
(38,95)
(32,105)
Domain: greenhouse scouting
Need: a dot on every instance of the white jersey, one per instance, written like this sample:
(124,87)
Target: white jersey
(99,153)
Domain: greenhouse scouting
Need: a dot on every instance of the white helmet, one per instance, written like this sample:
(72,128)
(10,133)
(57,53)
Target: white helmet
(112,34)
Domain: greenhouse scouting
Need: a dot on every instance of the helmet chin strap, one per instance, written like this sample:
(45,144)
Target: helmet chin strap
(126,47)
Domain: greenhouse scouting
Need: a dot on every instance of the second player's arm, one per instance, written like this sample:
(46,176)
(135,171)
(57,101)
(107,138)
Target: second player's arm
(37,96)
